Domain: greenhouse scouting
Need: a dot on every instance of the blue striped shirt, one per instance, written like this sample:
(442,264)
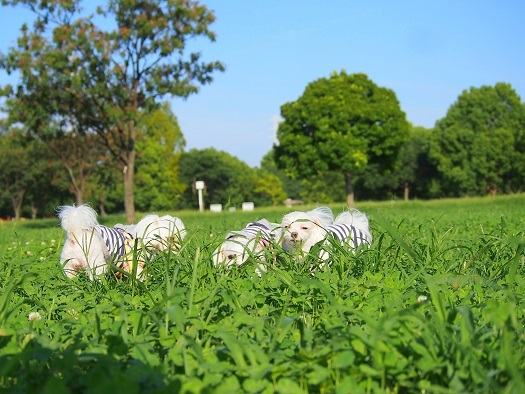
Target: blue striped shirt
(114,240)
(345,232)
(262,229)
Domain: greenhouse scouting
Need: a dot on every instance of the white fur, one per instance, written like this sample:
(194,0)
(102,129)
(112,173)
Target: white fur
(302,230)
(84,248)
(355,219)
(160,233)
(239,245)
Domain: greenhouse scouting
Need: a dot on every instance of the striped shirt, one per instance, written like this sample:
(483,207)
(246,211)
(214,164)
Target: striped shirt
(262,229)
(115,240)
(348,233)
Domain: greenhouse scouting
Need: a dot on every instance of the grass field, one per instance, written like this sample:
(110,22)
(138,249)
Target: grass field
(436,305)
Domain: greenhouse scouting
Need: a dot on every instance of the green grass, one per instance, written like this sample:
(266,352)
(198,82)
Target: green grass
(436,304)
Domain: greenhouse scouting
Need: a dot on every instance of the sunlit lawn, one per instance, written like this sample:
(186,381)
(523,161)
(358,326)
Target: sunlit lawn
(436,304)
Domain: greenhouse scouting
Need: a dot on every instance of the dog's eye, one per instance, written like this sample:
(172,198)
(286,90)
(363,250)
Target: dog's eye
(304,228)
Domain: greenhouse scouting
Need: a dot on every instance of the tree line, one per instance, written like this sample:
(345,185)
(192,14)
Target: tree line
(87,122)
(475,150)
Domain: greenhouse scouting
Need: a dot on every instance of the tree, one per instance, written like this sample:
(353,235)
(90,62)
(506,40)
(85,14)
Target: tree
(292,187)
(229,181)
(415,172)
(270,186)
(23,176)
(342,123)
(323,188)
(160,144)
(104,188)
(42,194)
(14,177)
(101,80)
(479,146)
(80,156)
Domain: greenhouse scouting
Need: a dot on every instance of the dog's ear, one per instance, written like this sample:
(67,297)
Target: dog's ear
(323,216)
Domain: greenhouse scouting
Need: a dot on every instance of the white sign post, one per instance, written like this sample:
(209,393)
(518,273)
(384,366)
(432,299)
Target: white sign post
(199,185)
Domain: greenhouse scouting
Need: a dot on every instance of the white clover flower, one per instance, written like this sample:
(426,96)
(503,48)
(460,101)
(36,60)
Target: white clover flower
(42,243)
(422,298)
(29,253)
(27,243)
(72,313)
(53,241)
(42,258)
(34,316)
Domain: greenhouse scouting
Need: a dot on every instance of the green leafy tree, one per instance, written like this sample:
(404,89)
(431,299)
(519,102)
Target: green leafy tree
(98,78)
(292,187)
(479,146)
(160,144)
(104,188)
(415,173)
(229,181)
(43,195)
(269,186)
(14,177)
(80,156)
(323,188)
(342,123)
(24,174)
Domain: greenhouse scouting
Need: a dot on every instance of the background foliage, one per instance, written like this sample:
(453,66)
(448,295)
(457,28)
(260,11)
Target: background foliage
(457,158)
(343,124)
(86,122)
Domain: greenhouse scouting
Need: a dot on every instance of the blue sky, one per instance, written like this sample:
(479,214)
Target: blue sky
(427,52)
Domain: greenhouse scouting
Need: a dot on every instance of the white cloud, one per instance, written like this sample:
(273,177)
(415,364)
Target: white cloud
(275,120)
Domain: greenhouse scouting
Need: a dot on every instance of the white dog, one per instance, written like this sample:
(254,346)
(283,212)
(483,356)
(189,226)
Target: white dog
(91,247)
(350,229)
(159,233)
(302,230)
(250,241)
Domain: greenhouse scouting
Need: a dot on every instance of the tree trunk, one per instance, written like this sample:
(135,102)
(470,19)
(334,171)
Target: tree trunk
(129,154)
(492,190)
(349,187)
(77,189)
(102,208)
(34,210)
(406,192)
(129,201)
(17,200)
(78,196)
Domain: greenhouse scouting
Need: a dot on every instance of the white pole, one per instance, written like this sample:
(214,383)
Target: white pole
(199,185)
(201,204)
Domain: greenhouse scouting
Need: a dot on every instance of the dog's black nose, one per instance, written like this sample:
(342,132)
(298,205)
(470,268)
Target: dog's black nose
(294,234)
(230,256)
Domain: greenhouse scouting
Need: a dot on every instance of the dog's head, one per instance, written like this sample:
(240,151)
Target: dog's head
(235,250)
(302,230)
(86,252)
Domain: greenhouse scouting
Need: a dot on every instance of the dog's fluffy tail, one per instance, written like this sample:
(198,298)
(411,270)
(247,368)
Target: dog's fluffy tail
(357,219)
(75,219)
